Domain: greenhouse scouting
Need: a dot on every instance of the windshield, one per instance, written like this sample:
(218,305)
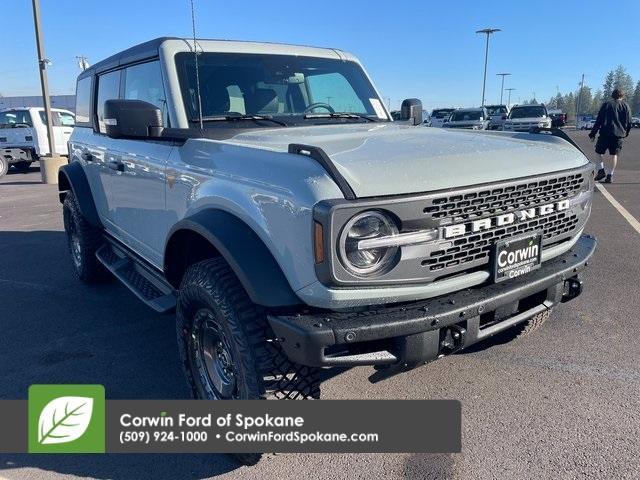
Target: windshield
(442,113)
(466,116)
(496,109)
(290,88)
(15,117)
(527,112)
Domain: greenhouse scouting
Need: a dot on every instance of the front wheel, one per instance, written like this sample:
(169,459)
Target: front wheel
(227,348)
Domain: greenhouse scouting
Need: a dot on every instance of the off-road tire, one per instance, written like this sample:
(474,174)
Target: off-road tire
(260,368)
(83,240)
(4,166)
(22,166)
(525,328)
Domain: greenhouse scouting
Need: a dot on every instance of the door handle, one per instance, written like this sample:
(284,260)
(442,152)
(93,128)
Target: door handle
(116,165)
(87,157)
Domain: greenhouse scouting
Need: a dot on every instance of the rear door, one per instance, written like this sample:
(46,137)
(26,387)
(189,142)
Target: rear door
(63,123)
(90,146)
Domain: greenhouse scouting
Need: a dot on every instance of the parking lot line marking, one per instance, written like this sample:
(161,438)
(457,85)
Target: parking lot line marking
(623,211)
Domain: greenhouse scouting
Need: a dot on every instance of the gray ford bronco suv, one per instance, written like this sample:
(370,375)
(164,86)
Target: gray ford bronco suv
(263,192)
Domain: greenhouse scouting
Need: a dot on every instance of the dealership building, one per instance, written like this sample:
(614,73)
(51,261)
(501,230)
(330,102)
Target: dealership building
(67,102)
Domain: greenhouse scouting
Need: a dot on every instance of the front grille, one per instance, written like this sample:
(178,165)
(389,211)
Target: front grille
(473,205)
(475,247)
(523,127)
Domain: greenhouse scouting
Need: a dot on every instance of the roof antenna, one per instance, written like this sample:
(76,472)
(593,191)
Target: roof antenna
(195,53)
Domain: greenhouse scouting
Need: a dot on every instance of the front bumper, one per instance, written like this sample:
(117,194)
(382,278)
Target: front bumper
(414,333)
(17,154)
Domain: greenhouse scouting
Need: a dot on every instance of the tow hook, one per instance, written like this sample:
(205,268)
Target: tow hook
(453,340)
(572,288)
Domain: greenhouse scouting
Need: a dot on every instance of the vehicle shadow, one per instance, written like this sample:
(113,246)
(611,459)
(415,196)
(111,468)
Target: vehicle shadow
(123,466)
(58,330)
(430,465)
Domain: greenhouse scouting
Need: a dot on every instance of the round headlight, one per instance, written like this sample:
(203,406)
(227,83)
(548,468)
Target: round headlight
(356,256)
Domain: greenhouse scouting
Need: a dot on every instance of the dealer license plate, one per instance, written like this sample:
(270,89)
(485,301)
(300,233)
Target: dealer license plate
(516,256)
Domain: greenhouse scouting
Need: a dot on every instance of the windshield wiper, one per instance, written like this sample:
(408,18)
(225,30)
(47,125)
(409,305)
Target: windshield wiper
(232,118)
(340,115)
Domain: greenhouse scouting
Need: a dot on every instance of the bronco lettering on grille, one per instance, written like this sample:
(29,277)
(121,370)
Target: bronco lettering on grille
(451,231)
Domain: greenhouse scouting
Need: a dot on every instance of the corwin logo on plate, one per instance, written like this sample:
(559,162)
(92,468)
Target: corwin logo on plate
(66,419)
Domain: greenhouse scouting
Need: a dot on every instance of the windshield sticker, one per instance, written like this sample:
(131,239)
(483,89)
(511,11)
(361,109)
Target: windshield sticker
(379,109)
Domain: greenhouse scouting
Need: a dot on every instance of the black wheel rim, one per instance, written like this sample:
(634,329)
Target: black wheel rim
(214,357)
(74,245)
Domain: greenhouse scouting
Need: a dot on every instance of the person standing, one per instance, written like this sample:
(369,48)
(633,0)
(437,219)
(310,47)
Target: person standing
(613,123)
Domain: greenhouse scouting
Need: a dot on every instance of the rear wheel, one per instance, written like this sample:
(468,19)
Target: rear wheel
(531,325)
(227,348)
(83,240)
(522,329)
(4,166)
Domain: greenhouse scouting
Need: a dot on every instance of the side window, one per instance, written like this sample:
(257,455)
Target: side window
(108,89)
(66,119)
(144,82)
(83,102)
(335,90)
(60,119)
(236,99)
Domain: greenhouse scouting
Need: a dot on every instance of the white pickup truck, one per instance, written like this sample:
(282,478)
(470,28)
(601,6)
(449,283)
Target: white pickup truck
(23,135)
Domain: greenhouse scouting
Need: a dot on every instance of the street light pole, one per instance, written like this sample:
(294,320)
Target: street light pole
(502,87)
(487,32)
(578,100)
(42,64)
(509,90)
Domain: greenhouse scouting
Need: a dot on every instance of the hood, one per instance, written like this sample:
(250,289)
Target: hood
(393,159)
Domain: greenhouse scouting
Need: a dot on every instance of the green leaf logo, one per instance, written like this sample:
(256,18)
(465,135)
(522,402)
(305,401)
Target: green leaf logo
(64,419)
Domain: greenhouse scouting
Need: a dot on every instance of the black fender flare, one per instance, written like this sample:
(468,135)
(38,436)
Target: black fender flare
(243,250)
(72,177)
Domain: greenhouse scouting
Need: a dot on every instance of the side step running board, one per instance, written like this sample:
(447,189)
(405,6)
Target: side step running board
(146,284)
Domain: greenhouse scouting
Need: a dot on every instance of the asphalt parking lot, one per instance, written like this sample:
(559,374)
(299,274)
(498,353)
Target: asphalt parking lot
(562,403)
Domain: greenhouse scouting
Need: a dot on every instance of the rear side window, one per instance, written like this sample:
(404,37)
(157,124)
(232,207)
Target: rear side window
(60,119)
(83,102)
(144,82)
(108,89)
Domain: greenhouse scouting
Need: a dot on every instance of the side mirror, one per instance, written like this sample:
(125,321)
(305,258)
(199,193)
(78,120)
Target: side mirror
(411,109)
(132,119)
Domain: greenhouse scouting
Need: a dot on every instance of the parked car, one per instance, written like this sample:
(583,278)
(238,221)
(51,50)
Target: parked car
(497,115)
(585,122)
(23,135)
(522,118)
(635,122)
(291,234)
(469,118)
(558,118)
(440,115)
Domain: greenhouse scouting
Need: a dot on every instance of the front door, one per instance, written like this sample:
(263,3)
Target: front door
(138,171)
(138,195)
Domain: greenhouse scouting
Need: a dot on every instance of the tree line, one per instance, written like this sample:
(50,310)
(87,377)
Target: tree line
(589,101)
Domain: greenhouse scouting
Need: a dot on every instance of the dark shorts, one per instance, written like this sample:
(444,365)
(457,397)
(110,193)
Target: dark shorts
(605,142)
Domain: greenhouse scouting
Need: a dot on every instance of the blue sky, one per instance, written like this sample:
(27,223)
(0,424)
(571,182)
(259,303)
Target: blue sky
(411,48)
